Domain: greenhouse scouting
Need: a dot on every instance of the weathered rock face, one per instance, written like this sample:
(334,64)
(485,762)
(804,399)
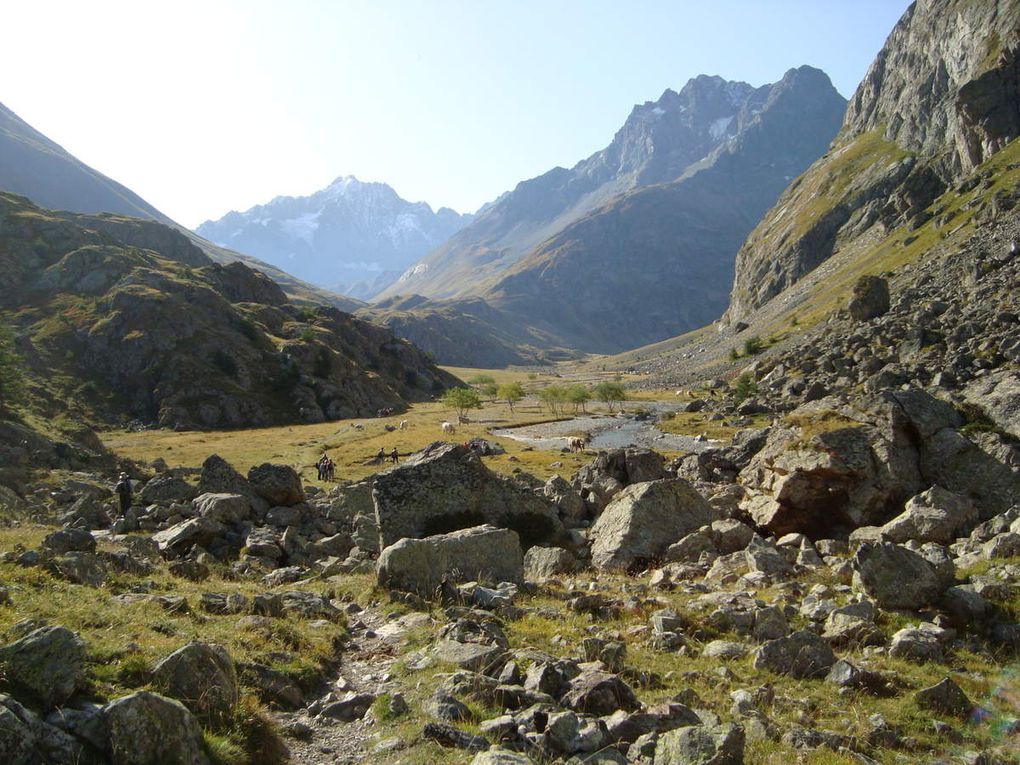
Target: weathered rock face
(46,666)
(149,729)
(840,466)
(943,88)
(483,553)
(998,395)
(25,739)
(446,487)
(644,520)
(202,677)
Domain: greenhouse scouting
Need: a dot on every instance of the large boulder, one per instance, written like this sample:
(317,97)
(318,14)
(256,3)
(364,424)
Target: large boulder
(181,537)
(219,477)
(46,667)
(223,508)
(279,485)
(25,739)
(167,488)
(701,745)
(870,299)
(643,520)
(934,515)
(543,563)
(202,677)
(483,553)
(446,487)
(834,467)
(998,396)
(801,655)
(599,693)
(149,729)
(895,577)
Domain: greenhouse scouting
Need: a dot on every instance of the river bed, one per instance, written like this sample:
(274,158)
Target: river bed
(607,432)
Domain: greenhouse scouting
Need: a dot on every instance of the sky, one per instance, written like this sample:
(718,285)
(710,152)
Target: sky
(217,105)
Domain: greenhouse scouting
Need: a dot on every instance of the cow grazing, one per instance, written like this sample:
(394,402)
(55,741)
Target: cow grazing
(577,443)
(448,428)
(403,424)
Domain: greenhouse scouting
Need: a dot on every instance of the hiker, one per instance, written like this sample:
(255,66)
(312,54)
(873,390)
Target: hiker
(123,489)
(381,456)
(330,469)
(394,455)
(321,466)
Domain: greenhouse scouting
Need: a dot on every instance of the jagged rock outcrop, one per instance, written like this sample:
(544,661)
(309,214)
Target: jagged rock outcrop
(940,98)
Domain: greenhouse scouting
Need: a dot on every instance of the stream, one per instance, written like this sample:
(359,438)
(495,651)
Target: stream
(607,432)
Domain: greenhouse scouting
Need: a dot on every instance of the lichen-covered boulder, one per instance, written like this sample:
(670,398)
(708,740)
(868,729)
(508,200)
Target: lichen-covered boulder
(45,667)
(279,485)
(643,520)
(202,677)
(483,553)
(446,487)
(149,729)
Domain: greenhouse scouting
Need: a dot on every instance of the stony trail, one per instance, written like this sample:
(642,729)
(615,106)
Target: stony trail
(365,669)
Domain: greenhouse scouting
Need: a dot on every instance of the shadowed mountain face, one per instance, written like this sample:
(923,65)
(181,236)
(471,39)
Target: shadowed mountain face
(665,141)
(125,319)
(637,243)
(354,237)
(34,166)
(941,97)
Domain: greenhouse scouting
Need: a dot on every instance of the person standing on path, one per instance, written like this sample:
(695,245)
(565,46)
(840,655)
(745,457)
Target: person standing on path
(124,491)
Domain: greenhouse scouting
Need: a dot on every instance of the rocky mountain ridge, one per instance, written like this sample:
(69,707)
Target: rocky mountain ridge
(354,237)
(32,165)
(122,319)
(660,142)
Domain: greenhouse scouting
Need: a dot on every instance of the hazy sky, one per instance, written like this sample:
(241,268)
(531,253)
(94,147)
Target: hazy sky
(203,107)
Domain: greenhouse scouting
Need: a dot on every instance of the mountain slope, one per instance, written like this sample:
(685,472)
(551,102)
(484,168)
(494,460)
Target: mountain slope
(661,142)
(351,236)
(34,166)
(941,97)
(123,319)
(659,260)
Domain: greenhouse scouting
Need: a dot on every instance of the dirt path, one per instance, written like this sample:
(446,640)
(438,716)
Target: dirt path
(365,668)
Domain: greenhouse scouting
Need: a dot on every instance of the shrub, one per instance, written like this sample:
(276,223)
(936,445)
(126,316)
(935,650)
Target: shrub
(745,387)
(753,345)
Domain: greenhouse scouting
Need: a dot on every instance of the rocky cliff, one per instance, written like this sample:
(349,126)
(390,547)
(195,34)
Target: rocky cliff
(120,319)
(941,98)
(354,237)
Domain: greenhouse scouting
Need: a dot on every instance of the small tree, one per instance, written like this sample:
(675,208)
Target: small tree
(610,392)
(462,399)
(12,380)
(511,393)
(579,395)
(745,387)
(554,396)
